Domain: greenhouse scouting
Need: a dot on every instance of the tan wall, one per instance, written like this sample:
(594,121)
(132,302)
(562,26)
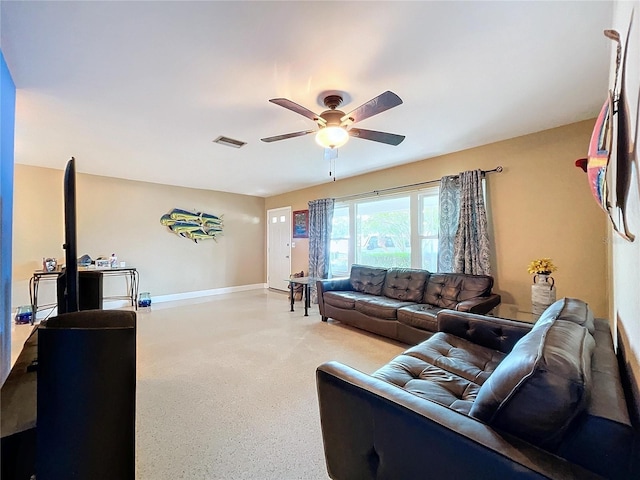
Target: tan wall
(626,255)
(123,216)
(540,206)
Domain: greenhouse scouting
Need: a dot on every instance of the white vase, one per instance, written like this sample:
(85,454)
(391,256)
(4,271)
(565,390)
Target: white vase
(543,293)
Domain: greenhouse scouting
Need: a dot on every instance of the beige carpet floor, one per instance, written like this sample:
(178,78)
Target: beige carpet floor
(226,386)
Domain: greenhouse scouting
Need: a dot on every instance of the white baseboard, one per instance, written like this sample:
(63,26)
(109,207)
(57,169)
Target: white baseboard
(206,293)
(113,304)
(45,313)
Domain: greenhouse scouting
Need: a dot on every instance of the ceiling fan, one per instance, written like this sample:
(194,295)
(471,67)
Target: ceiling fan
(334,124)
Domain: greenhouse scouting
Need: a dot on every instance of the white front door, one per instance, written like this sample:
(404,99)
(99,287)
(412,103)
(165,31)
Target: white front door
(278,247)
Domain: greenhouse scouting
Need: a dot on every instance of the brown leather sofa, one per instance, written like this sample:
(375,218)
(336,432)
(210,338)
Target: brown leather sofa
(402,303)
(485,398)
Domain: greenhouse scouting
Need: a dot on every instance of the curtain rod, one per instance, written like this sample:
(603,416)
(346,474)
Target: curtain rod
(498,169)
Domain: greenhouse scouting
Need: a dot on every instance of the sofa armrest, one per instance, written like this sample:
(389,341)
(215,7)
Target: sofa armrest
(329,285)
(479,304)
(491,332)
(372,429)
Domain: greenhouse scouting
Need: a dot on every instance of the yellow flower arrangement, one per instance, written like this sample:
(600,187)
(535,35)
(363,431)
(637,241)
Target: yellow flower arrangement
(542,266)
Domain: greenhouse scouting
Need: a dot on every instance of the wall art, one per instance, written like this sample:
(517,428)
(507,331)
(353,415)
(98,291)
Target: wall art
(194,226)
(301,224)
(609,170)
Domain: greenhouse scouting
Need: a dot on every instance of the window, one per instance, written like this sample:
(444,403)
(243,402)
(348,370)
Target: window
(383,231)
(339,248)
(392,231)
(429,219)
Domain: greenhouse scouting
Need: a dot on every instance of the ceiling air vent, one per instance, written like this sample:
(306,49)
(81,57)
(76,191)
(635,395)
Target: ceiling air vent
(229,142)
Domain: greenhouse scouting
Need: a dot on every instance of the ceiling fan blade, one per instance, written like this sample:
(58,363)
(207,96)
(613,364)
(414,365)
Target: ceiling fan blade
(294,107)
(286,135)
(382,137)
(382,102)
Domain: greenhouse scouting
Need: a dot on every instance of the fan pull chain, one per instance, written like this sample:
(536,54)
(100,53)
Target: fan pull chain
(332,167)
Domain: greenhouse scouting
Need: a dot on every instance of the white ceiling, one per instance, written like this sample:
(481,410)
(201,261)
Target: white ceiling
(139,90)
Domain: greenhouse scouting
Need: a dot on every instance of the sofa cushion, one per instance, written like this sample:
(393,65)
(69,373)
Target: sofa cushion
(430,382)
(573,310)
(458,356)
(343,299)
(380,307)
(367,279)
(421,315)
(446,290)
(405,284)
(542,385)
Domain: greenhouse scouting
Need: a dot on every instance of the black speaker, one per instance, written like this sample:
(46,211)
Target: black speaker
(90,290)
(87,396)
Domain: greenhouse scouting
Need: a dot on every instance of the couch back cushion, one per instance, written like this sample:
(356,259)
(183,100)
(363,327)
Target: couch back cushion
(572,310)
(446,290)
(541,385)
(367,279)
(405,284)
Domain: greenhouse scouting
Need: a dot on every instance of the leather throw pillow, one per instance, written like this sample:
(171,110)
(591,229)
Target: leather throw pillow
(541,385)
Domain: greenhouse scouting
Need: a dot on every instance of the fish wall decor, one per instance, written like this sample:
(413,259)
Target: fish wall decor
(194,226)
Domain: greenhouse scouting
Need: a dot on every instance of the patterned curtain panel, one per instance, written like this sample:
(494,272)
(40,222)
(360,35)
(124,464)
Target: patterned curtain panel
(449,212)
(320,217)
(471,245)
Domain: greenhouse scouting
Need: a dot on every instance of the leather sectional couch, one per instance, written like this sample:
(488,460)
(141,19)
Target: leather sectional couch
(402,303)
(485,398)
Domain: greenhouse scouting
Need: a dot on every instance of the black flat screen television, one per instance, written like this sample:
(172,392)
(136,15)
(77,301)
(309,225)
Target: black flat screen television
(67,288)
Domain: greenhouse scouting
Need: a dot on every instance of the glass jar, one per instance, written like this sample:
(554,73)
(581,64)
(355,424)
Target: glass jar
(24,315)
(144,300)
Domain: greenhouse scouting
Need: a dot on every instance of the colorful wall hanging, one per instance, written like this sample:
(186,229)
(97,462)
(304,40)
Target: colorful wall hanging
(301,224)
(602,162)
(194,226)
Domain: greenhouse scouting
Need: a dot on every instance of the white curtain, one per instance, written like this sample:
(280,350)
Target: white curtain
(320,218)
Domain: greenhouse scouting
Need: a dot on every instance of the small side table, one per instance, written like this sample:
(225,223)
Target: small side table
(305,282)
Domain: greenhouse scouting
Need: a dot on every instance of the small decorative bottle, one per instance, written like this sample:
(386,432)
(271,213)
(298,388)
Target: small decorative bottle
(113,263)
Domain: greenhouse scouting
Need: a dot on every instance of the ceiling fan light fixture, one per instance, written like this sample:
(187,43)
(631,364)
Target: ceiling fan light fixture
(332,137)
